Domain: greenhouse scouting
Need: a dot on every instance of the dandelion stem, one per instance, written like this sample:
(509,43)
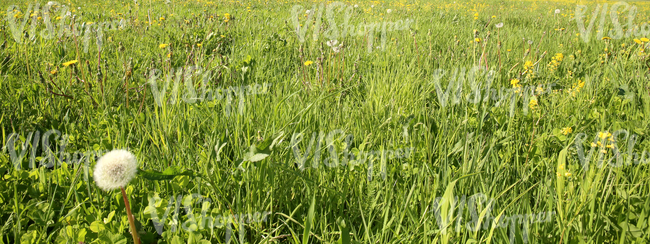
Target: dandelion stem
(134,232)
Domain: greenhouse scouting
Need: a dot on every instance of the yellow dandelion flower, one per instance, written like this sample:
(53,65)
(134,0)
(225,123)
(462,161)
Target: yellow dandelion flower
(581,84)
(528,65)
(66,64)
(163,45)
(606,38)
(477,39)
(307,63)
(514,82)
(533,103)
(644,39)
(567,130)
(638,41)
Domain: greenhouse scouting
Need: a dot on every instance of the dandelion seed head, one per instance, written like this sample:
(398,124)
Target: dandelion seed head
(332,43)
(115,169)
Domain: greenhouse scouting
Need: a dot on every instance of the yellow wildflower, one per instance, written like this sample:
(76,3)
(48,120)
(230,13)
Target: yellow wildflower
(533,103)
(307,63)
(567,130)
(163,45)
(604,135)
(66,64)
(528,65)
(514,82)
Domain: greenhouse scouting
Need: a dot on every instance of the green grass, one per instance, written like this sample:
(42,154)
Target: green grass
(386,99)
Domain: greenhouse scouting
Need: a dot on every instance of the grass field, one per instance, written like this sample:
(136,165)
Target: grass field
(327,122)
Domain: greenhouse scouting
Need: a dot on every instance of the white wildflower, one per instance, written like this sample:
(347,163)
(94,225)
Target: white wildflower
(337,49)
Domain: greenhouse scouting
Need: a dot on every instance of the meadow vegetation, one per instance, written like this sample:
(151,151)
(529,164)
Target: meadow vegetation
(247,107)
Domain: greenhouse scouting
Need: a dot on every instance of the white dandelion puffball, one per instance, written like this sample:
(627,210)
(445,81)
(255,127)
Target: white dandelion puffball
(356,6)
(557,11)
(388,11)
(499,25)
(115,169)
(331,43)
